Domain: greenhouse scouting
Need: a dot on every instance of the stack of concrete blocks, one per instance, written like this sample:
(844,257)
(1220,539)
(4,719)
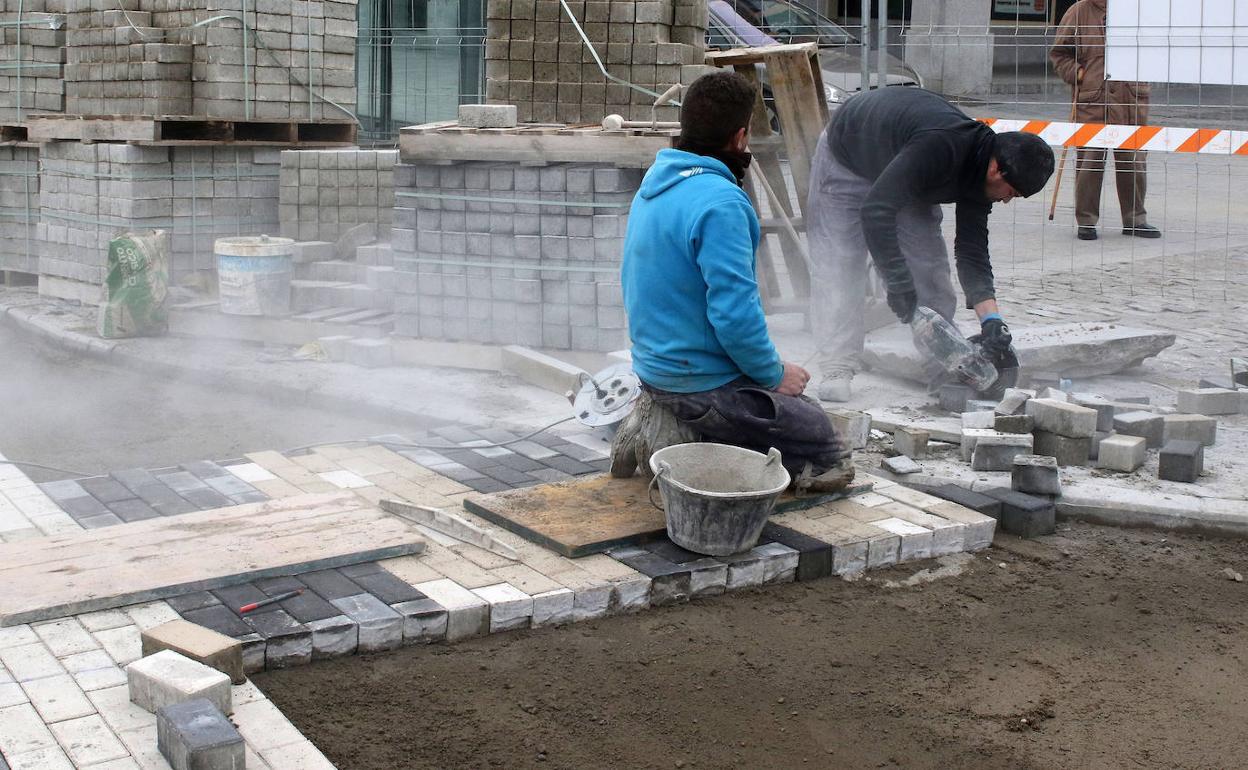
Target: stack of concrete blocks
(325,193)
(542,273)
(34,57)
(537,60)
(19,208)
(91,193)
(119,62)
(1062,430)
(263,61)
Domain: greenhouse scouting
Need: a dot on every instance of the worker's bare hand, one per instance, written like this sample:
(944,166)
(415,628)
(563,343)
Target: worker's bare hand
(794,380)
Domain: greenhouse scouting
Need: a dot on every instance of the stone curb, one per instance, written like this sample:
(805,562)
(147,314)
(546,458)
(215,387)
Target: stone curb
(1115,506)
(21,318)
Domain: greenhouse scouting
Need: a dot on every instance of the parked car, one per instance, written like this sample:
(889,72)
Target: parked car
(743,23)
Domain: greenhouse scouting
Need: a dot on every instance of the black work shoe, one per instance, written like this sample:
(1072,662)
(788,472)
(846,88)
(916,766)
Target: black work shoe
(1087,233)
(1142,231)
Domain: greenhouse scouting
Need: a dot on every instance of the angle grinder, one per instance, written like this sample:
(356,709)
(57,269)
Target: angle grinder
(963,359)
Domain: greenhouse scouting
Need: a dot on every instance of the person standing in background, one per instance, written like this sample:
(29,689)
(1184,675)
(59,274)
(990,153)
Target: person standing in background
(1078,55)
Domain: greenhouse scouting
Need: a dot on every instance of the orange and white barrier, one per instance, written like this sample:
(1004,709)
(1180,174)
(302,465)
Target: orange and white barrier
(1206,141)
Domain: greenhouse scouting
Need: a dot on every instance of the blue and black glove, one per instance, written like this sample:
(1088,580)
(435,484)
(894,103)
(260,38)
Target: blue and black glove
(994,335)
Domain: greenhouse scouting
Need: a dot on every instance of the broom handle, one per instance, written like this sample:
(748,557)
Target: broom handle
(1061,165)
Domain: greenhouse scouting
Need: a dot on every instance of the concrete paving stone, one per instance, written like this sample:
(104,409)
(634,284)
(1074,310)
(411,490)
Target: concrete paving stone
(510,608)
(207,499)
(12,694)
(304,756)
(151,614)
(334,637)
(532,450)
(97,621)
(1036,475)
(488,485)
(220,619)
(915,541)
(883,550)
(744,569)
(22,730)
(1013,423)
(424,621)
(947,536)
(101,521)
(197,643)
(970,437)
(519,463)
(814,556)
(202,469)
(780,562)
(668,550)
(1122,453)
(195,734)
(133,510)
(593,595)
(989,506)
(88,741)
(1065,450)
(52,758)
(17,636)
(953,398)
(192,601)
(236,489)
(58,698)
(996,452)
(105,489)
(331,584)
(250,472)
(306,607)
(632,593)
(900,465)
(526,578)
(1014,401)
(978,419)
(345,479)
(1104,409)
(568,465)
(83,507)
(61,491)
(167,677)
(1024,515)
(237,596)
(165,500)
(459,472)
(380,628)
(1181,461)
(142,746)
(64,637)
(979,528)
(507,475)
(255,652)
(468,615)
(1146,424)
(911,442)
(115,706)
(456,434)
(287,641)
(707,577)
(1190,427)
(30,661)
(1209,401)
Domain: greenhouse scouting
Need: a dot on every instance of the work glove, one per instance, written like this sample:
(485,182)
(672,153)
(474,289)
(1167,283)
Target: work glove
(994,336)
(903,304)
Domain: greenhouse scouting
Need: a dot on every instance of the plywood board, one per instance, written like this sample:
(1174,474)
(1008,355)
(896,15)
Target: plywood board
(155,559)
(591,514)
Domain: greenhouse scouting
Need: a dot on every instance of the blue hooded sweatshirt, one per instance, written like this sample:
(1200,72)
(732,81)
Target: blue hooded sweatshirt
(694,313)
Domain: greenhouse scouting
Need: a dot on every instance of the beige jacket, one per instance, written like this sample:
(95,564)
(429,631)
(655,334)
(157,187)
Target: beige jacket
(1080,43)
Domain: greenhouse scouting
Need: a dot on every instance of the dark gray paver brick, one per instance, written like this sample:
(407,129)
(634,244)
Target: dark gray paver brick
(219,618)
(387,587)
(207,498)
(306,607)
(67,489)
(196,601)
(331,584)
(105,489)
(83,507)
(182,481)
(814,558)
(195,735)
(98,522)
(205,469)
(568,465)
(133,510)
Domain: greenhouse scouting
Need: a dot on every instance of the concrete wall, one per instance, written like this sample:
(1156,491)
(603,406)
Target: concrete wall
(950,46)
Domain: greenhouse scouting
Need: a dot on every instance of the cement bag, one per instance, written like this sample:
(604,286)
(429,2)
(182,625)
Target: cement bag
(135,286)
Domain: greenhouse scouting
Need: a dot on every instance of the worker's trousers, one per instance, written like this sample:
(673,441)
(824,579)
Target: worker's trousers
(745,414)
(839,261)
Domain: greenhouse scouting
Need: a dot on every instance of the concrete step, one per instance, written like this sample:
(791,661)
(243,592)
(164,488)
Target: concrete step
(337,270)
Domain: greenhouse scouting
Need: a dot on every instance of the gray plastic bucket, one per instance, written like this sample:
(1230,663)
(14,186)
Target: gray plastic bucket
(716,497)
(253,274)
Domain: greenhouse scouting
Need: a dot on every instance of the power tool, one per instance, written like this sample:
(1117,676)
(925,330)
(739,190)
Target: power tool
(961,358)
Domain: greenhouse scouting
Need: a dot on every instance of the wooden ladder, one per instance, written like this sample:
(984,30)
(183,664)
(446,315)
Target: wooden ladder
(796,84)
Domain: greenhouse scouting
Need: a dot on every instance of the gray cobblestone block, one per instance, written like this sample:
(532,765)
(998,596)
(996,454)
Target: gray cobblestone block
(1122,453)
(1146,424)
(195,735)
(1209,401)
(1104,409)
(1023,514)
(380,627)
(996,452)
(287,642)
(167,677)
(1035,475)
(1063,419)
(1181,461)
(1064,449)
(1189,427)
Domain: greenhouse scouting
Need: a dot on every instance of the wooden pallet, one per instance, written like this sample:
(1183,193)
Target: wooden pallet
(533,143)
(180,130)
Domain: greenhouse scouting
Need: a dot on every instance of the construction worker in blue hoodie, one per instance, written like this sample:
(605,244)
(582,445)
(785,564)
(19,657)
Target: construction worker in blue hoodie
(700,343)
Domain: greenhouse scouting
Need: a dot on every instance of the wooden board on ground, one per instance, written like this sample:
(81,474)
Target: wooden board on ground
(594,513)
(155,559)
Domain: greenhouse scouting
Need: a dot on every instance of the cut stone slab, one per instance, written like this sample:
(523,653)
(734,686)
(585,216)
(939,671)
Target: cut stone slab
(1181,461)
(901,465)
(1066,450)
(1070,420)
(997,453)
(1103,407)
(195,735)
(167,678)
(1151,427)
(1122,453)
(1190,427)
(1036,475)
(911,442)
(979,419)
(1013,401)
(1209,401)
(1076,350)
(853,425)
(971,436)
(202,645)
(1013,423)
(1023,514)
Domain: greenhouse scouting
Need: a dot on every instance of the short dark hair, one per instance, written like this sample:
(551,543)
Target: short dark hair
(1025,161)
(716,106)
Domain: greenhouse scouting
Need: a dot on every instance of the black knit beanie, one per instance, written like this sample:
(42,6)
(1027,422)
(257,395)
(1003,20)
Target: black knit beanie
(1025,160)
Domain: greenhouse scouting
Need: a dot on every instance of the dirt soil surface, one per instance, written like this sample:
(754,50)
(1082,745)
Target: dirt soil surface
(1096,648)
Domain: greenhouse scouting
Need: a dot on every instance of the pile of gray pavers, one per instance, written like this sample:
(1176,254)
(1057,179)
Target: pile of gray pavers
(184,678)
(536,59)
(19,208)
(33,55)
(325,193)
(88,193)
(208,58)
(1033,433)
(507,253)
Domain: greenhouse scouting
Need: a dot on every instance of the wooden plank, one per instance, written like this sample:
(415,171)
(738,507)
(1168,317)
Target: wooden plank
(802,114)
(737,56)
(589,147)
(155,559)
(594,513)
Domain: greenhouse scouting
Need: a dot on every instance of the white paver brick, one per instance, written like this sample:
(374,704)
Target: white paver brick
(265,727)
(15,636)
(118,764)
(510,608)
(345,479)
(58,698)
(124,645)
(11,694)
(94,670)
(246,693)
(152,614)
(121,715)
(51,758)
(466,613)
(553,607)
(56,524)
(65,637)
(21,730)
(104,619)
(296,756)
(30,661)
(142,746)
(88,741)
(11,519)
(250,472)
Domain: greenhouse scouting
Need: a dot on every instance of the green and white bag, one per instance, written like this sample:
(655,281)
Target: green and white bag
(136,285)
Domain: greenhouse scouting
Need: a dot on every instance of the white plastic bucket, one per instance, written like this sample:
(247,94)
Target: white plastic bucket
(253,274)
